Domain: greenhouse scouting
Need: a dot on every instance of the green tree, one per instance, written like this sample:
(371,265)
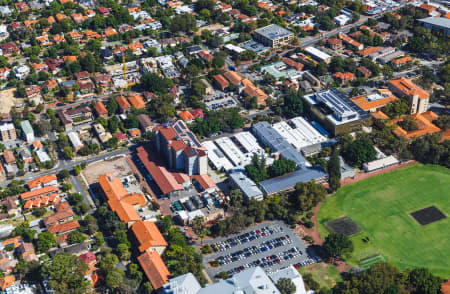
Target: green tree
(65,273)
(359,151)
(337,245)
(123,251)
(236,198)
(77,169)
(114,278)
(63,174)
(112,106)
(39,212)
(76,237)
(45,241)
(68,152)
(334,171)
(199,227)
(293,105)
(286,286)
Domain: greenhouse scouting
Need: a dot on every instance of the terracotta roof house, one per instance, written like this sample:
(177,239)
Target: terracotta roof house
(186,116)
(344,77)
(401,61)
(149,237)
(221,82)
(137,101)
(154,268)
(197,113)
(38,193)
(58,217)
(44,181)
(101,109)
(334,43)
(64,228)
(124,105)
(233,77)
(124,204)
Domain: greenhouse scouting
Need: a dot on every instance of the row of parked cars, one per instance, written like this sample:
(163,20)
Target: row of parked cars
(253,250)
(246,237)
(269,261)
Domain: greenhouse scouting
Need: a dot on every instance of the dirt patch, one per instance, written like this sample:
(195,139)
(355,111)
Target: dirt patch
(8,101)
(118,166)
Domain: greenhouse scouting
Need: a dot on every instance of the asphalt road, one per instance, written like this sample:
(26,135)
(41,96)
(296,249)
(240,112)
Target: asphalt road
(296,241)
(78,186)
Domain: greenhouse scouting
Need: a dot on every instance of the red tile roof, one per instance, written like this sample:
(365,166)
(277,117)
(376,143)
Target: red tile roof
(38,192)
(100,108)
(165,180)
(154,268)
(41,180)
(148,235)
(123,103)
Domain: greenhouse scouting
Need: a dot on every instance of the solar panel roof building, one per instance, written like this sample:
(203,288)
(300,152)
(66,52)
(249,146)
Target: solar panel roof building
(269,137)
(288,181)
(336,111)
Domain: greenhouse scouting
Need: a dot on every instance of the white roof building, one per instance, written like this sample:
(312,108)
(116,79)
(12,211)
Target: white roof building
(216,157)
(317,54)
(75,140)
(42,155)
(380,163)
(290,273)
(299,133)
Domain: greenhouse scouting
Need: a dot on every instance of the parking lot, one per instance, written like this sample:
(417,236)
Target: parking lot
(219,100)
(271,245)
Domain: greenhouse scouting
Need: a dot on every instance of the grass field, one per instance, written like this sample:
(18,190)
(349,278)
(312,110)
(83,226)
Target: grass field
(381,206)
(326,275)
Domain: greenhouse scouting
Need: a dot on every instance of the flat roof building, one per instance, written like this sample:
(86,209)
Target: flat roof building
(249,189)
(335,111)
(273,36)
(317,54)
(27,131)
(299,133)
(216,157)
(288,181)
(269,137)
(439,24)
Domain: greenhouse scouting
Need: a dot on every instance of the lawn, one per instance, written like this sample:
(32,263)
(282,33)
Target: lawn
(326,275)
(381,207)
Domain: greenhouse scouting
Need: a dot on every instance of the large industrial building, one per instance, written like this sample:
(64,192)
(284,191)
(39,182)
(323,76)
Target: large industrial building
(269,137)
(335,111)
(273,36)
